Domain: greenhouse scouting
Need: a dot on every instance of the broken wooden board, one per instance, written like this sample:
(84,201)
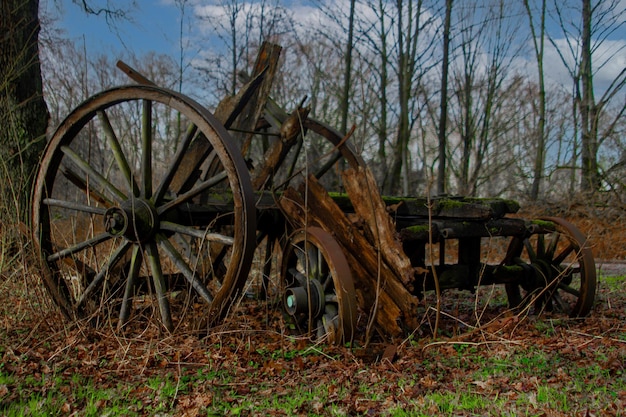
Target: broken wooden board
(379,291)
(242,111)
(381,231)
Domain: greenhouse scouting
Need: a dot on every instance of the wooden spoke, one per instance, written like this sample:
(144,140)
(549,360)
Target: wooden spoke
(146,149)
(154,261)
(94,175)
(182,265)
(200,234)
(194,192)
(120,157)
(74,206)
(131,281)
(175,165)
(79,247)
(565,252)
(101,275)
(82,184)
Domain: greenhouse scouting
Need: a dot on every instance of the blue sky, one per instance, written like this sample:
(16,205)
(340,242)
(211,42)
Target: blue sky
(154,26)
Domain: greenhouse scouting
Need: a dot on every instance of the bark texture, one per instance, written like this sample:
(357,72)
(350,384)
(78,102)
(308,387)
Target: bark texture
(23,111)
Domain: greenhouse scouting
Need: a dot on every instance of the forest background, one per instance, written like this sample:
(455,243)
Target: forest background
(520,99)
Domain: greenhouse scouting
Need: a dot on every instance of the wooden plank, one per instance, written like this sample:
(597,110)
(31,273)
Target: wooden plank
(441,207)
(231,107)
(453,207)
(133,74)
(454,229)
(267,63)
(275,156)
(189,170)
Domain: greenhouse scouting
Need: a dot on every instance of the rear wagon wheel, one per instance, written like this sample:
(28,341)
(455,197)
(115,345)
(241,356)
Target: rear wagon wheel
(564,271)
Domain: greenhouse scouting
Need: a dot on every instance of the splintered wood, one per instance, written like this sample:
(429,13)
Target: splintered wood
(370,243)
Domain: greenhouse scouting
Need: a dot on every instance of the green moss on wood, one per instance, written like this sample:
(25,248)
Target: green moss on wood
(546,224)
(448,204)
(418,228)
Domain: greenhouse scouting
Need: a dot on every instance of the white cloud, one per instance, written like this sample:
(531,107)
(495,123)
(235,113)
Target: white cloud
(609,59)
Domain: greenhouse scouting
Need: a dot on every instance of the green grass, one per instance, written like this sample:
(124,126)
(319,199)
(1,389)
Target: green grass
(49,396)
(612,283)
(453,380)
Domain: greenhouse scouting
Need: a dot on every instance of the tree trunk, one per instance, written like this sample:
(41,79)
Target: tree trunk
(588,110)
(468,133)
(443,110)
(403,122)
(408,36)
(541,130)
(23,111)
(381,130)
(347,79)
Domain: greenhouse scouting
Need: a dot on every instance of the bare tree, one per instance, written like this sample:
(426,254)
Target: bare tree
(588,108)
(582,43)
(412,49)
(486,36)
(443,113)
(347,81)
(369,90)
(242,27)
(110,13)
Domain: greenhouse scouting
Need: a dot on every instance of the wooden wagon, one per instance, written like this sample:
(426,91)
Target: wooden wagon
(148,208)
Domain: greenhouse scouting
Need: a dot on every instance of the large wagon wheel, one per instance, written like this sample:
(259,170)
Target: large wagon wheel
(319,292)
(143,204)
(563,268)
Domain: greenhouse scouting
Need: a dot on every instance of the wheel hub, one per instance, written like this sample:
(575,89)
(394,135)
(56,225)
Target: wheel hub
(136,219)
(544,273)
(305,299)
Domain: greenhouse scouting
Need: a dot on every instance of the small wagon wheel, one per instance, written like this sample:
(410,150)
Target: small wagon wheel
(129,222)
(319,292)
(563,268)
(316,150)
(342,149)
